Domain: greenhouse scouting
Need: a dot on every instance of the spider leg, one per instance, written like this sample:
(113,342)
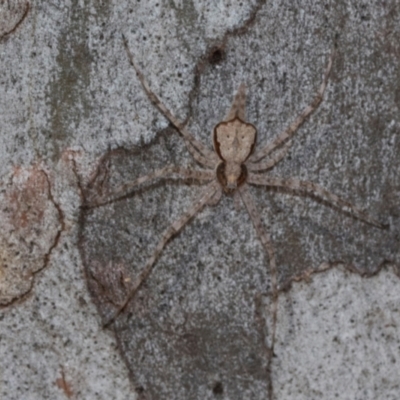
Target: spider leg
(313,189)
(171,172)
(272,161)
(265,239)
(202,160)
(192,143)
(216,198)
(238,107)
(171,231)
(290,131)
(237,201)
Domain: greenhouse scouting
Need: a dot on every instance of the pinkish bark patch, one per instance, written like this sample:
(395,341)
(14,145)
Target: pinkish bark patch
(12,14)
(31,225)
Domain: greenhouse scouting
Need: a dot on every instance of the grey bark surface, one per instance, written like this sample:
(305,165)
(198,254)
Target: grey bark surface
(76,121)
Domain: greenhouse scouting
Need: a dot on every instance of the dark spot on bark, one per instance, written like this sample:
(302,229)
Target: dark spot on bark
(217,55)
(139,389)
(218,388)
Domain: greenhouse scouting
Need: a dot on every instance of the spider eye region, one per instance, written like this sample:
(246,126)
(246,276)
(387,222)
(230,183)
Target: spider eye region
(234,140)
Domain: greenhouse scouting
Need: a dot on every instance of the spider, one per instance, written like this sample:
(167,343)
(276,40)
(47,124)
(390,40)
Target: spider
(233,166)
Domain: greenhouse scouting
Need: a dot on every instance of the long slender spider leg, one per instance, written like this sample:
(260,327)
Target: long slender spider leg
(216,198)
(171,172)
(171,231)
(237,201)
(265,239)
(272,161)
(313,189)
(238,108)
(204,161)
(290,131)
(200,147)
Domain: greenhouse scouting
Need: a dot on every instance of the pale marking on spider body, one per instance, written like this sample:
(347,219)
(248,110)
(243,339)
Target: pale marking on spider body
(231,168)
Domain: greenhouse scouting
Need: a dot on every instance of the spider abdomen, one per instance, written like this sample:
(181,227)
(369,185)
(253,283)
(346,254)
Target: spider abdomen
(231,175)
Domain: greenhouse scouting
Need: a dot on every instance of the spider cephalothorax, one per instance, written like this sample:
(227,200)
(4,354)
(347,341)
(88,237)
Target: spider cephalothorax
(234,142)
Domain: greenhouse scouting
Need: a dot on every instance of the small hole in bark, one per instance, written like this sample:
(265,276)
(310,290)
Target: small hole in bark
(218,388)
(216,56)
(139,389)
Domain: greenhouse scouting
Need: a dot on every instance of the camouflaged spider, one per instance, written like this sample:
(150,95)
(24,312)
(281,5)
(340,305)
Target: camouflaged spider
(233,166)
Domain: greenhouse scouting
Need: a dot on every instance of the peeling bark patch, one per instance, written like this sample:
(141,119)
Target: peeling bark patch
(31,225)
(27,204)
(12,14)
(177,337)
(190,331)
(347,343)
